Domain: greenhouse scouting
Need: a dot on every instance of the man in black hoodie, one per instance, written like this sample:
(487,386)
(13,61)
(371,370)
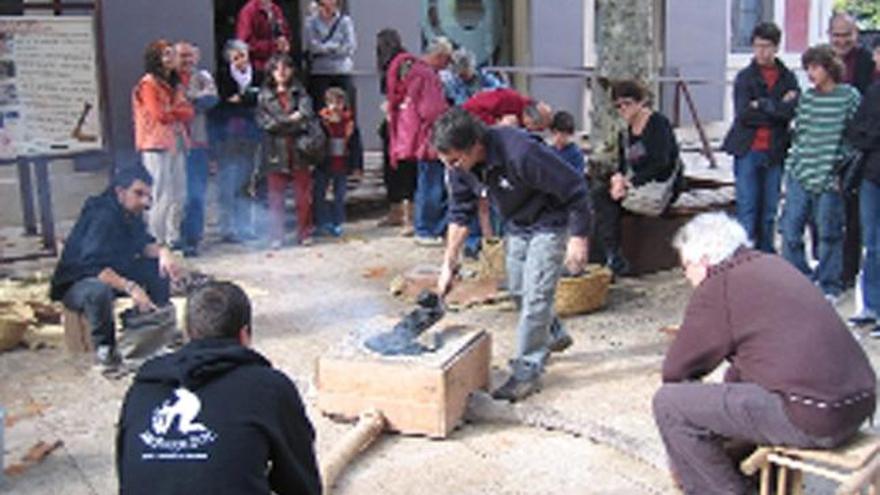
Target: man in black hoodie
(215,417)
(108,253)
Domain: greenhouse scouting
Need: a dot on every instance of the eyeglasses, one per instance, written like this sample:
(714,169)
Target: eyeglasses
(620,104)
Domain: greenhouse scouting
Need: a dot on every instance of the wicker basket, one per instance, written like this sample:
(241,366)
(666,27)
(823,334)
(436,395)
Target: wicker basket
(14,321)
(584,293)
(492,259)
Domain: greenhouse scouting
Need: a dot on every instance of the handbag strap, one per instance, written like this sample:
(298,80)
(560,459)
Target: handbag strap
(332,30)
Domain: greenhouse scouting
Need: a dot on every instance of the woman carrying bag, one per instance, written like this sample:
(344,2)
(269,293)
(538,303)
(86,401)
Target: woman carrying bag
(649,170)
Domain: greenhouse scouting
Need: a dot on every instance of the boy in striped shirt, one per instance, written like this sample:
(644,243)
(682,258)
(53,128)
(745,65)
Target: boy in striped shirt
(811,189)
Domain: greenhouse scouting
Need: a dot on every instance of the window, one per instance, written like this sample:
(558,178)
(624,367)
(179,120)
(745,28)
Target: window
(744,16)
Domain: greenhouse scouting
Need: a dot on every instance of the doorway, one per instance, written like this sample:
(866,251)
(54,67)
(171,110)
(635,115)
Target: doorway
(226,13)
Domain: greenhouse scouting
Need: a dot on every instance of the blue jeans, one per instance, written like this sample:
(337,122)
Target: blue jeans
(534,264)
(236,167)
(827,211)
(869,207)
(430,202)
(326,214)
(196,185)
(94,298)
(757,196)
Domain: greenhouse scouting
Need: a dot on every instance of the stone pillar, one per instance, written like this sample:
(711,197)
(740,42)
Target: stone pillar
(624,46)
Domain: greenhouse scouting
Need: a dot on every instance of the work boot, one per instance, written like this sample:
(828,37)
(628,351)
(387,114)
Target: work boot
(394,218)
(407,209)
(561,344)
(524,381)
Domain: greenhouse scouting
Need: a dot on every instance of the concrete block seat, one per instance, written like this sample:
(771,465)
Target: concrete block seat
(854,465)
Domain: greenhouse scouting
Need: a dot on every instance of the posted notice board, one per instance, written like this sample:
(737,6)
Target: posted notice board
(50,101)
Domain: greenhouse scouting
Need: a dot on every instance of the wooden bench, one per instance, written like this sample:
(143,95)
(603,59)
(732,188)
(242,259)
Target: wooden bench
(646,242)
(854,465)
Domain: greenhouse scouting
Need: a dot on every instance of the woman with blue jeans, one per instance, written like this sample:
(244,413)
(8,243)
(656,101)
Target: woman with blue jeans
(864,133)
(765,94)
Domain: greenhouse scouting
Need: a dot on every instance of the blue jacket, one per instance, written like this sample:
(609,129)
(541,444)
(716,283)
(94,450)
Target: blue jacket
(573,156)
(105,236)
(532,187)
(772,112)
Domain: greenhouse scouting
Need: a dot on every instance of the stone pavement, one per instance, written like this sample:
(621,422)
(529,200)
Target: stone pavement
(308,298)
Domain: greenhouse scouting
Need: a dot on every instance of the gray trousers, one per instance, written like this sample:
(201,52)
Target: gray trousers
(168,169)
(697,419)
(534,263)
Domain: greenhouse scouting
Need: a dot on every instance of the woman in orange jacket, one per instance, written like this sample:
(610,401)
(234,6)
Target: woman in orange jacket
(161,110)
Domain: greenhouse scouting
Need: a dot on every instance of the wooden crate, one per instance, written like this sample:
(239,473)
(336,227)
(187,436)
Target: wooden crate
(423,395)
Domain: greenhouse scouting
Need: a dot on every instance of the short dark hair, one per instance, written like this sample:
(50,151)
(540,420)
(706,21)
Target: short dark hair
(767,31)
(457,130)
(124,177)
(562,122)
(824,56)
(629,88)
(217,310)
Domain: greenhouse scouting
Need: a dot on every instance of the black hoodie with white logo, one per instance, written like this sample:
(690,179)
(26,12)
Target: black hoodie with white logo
(216,418)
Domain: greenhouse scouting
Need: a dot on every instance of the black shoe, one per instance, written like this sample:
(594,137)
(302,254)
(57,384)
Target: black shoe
(619,265)
(875,332)
(230,239)
(515,389)
(190,252)
(561,344)
(107,358)
(861,320)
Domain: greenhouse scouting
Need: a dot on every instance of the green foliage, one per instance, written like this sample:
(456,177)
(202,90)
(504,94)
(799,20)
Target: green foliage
(867,12)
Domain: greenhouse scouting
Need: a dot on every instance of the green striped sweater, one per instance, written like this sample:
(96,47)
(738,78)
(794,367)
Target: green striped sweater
(818,135)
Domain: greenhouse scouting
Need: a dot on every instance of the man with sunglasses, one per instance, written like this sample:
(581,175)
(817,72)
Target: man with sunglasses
(109,252)
(546,210)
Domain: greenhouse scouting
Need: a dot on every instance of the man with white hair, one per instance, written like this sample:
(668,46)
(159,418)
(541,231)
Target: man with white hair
(796,375)
(463,79)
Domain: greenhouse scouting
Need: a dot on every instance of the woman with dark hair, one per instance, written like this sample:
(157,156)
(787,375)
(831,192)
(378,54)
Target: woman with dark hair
(648,152)
(811,189)
(284,110)
(161,111)
(236,136)
(399,178)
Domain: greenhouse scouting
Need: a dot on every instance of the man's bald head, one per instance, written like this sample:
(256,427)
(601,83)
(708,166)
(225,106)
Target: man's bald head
(843,32)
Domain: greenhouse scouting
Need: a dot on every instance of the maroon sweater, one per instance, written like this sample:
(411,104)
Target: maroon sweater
(774,327)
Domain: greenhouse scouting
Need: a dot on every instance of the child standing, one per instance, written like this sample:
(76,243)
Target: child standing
(562,130)
(283,112)
(339,124)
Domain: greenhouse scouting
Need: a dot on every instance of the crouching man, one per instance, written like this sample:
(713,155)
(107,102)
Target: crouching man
(109,253)
(215,417)
(546,209)
(797,377)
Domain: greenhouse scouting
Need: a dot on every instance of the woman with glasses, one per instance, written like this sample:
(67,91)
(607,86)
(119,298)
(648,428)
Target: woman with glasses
(648,152)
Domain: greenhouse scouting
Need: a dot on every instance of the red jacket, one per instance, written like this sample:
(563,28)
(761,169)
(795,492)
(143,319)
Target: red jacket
(254,28)
(415,101)
(491,106)
(159,111)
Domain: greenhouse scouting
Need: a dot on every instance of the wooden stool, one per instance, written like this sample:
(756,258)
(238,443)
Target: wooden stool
(77,332)
(855,465)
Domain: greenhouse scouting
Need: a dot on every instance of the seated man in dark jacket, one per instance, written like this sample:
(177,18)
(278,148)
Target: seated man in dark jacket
(109,252)
(546,210)
(797,377)
(215,417)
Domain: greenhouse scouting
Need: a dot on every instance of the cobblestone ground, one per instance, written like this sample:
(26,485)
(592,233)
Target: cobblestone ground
(307,299)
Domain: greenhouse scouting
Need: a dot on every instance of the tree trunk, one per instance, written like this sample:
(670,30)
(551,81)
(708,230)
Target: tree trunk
(624,31)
